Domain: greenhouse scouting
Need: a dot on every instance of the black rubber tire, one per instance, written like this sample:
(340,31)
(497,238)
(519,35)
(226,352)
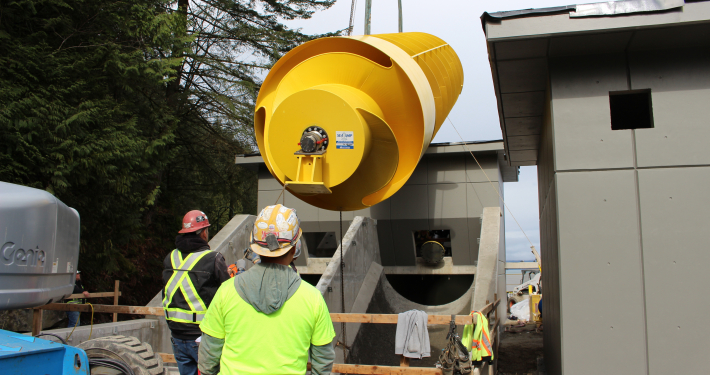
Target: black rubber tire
(138,355)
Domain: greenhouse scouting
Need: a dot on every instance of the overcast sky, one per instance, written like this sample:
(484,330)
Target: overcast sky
(475,115)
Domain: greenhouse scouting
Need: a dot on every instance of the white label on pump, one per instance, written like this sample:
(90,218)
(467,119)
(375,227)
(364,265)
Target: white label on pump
(70,269)
(55,264)
(344,140)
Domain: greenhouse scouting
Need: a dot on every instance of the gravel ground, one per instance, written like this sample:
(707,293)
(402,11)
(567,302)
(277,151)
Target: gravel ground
(519,349)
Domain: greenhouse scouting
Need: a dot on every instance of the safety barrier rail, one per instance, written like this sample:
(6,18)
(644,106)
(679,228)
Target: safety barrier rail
(335,317)
(37,311)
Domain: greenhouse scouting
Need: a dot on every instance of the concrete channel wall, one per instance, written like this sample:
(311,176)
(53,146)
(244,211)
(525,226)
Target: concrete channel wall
(373,344)
(361,255)
(490,279)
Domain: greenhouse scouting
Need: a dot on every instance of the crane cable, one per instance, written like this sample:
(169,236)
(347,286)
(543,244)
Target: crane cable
(352,17)
(465,146)
(342,291)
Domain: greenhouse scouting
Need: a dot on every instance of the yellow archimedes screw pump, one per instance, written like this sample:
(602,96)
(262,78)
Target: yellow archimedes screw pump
(343,121)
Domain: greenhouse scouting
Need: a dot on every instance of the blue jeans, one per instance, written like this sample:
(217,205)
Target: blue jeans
(185,352)
(73,318)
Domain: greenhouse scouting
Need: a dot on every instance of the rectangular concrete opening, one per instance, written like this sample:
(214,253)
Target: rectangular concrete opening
(311,278)
(631,109)
(321,244)
(442,236)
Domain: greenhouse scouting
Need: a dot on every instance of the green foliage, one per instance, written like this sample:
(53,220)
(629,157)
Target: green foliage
(132,113)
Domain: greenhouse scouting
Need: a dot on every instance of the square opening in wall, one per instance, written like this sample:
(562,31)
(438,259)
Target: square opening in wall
(321,244)
(631,109)
(441,236)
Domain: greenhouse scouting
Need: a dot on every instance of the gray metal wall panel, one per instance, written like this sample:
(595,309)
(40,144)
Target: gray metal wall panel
(384,235)
(680,84)
(481,195)
(327,215)
(675,223)
(305,211)
(547,196)
(267,181)
(600,273)
(265,198)
(580,88)
(380,211)
(402,206)
(552,336)
(546,160)
(446,168)
(489,163)
(446,200)
(403,239)
(420,174)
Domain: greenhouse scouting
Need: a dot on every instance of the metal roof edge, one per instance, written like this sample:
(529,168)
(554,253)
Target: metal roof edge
(600,9)
(255,158)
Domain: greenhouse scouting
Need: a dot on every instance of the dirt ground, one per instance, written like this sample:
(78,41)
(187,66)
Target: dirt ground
(519,349)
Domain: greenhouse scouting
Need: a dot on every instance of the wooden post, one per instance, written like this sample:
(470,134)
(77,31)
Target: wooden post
(36,321)
(115,299)
(403,361)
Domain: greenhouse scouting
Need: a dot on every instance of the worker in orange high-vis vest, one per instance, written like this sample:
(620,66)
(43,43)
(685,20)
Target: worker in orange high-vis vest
(267,320)
(192,274)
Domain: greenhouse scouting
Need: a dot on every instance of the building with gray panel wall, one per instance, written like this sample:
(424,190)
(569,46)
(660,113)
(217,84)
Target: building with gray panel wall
(447,191)
(623,213)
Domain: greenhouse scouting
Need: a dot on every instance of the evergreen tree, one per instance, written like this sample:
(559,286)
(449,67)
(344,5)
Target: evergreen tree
(132,113)
(234,43)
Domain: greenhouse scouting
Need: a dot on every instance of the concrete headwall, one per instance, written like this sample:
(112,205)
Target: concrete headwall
(373,344)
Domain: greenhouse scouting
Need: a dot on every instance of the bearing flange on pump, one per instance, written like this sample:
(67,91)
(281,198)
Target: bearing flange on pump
(379,98)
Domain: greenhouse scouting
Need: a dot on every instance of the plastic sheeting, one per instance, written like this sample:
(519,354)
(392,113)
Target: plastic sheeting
(624,7)
(521,310)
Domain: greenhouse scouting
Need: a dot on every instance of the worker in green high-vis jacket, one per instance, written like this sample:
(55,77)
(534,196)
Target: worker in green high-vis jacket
(266,320)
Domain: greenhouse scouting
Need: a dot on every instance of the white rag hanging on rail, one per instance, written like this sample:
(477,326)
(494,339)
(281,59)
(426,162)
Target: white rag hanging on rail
(412,338)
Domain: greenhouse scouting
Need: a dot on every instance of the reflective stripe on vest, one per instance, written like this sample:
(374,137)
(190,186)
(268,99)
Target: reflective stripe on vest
(183,316)
(180,280)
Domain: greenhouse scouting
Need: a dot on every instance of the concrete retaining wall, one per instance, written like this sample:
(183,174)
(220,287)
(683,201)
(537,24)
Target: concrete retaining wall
(361,254)
(490,279)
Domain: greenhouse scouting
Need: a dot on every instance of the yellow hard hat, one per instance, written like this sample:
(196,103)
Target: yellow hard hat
(276,230)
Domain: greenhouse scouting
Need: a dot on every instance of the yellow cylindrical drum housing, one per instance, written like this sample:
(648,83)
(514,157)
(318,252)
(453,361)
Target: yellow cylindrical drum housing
(377,101)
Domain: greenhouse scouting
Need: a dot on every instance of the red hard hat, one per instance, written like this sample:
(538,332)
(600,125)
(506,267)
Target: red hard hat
(194,221)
